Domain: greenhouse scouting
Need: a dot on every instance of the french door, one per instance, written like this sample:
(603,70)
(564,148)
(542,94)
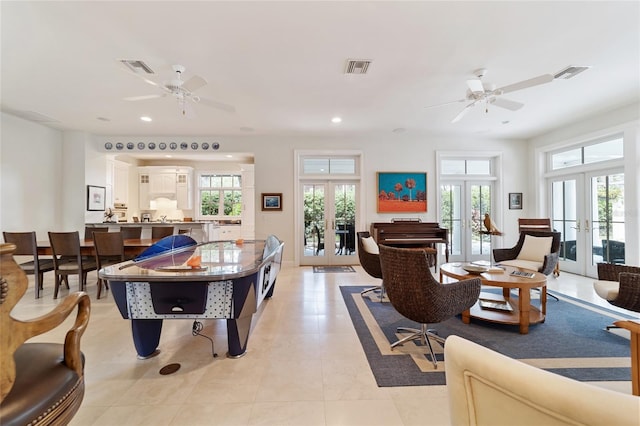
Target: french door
(463,206)
(588,209)
(330,210)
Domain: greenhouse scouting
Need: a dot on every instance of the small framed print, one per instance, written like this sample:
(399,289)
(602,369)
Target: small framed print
(515,201)
(96,198)
(272,201)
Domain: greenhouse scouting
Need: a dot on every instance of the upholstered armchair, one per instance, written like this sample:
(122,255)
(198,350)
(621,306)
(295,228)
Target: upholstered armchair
(488,388)
(535,250)
(40,383)
(619,285)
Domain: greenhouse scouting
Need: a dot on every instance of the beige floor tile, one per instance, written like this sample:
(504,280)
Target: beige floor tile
(297,413)
(362,413)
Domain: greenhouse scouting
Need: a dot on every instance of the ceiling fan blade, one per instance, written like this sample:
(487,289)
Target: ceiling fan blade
(143,97)
(506,103)
(463,113)
(541,79)
(445,103)
(194,83)
(216,104)
(475,86)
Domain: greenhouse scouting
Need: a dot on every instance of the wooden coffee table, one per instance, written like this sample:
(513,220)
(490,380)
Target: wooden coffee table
(516,310)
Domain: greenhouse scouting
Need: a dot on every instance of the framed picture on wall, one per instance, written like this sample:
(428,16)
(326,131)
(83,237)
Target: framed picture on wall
(402,192)
(272,201)
(96,198)
(515,200)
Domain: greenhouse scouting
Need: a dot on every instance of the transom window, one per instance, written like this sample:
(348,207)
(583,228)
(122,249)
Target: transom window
(220,195)
(480,167)
(609,149)
(328,166)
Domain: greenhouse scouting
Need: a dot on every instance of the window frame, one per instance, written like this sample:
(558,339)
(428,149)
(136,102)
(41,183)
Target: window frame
(221,190)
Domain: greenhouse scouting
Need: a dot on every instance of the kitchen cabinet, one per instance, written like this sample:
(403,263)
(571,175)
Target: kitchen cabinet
(120,182)
(249,202)
(173,183)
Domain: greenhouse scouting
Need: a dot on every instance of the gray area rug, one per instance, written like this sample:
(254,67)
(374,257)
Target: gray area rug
(332,269)
(571,342)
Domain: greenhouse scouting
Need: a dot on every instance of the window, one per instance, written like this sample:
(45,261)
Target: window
(220,195)
(466,167)
(609,149)
(328,166)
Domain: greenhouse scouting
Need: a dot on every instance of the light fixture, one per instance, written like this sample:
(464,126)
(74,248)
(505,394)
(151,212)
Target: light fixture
(336,120)
(145,118)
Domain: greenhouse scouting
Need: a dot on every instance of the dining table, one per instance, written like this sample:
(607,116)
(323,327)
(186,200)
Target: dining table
(132,247)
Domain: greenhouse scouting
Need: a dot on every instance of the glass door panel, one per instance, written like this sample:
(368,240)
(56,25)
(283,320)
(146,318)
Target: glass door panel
(564,207)
(463,206)
(329,210)
(607,220)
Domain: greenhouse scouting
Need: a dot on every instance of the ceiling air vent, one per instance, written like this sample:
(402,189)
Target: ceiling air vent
(357,66)
(570,72)
(32,116)
(137,66)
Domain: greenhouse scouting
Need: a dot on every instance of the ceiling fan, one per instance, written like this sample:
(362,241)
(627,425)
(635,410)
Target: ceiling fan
(183,92)
(487,93)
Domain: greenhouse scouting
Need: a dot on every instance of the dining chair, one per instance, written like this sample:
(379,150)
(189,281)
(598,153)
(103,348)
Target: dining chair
(109,251)
(89,230)
(185,231)
(68,259)
(158,232)
(26,246)
(131,232)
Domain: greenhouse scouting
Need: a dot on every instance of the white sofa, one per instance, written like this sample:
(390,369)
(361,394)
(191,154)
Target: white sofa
(488,388)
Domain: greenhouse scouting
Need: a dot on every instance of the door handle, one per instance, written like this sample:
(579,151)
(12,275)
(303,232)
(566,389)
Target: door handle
(586,225)
(577,227)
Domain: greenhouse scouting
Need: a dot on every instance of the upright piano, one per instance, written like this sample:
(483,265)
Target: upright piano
(411,234)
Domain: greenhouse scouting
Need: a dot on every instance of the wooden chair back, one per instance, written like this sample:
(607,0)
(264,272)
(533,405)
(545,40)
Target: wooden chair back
(131,232)
(89,230)
(26,245)
(26,395)
(161,231)
(541,224)
(68,259)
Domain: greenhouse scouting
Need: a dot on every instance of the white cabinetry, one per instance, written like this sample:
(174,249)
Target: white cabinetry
(162,183)
(230,232)
(117,182)
(184,193)
(168,182)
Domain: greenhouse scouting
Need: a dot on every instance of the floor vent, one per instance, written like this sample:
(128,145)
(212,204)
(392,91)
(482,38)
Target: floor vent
(357,66)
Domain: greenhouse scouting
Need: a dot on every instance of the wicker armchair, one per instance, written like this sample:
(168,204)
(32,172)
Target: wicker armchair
(370,263)
(550,260)
(40,383)
(619,285)
(417,295)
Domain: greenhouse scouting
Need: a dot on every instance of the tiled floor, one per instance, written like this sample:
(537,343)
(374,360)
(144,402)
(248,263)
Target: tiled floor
(304,366)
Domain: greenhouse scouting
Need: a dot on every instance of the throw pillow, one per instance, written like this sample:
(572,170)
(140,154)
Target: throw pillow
(535,248)
(370,245)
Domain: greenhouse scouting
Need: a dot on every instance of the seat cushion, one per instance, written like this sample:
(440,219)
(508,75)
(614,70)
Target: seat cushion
(608,290)
(524,264)
(42,383)
(535,248)
(370,245)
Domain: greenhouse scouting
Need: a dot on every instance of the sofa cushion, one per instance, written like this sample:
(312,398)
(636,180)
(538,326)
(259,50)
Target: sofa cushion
(608,290)
(524,264)
(535,248)
(370,245)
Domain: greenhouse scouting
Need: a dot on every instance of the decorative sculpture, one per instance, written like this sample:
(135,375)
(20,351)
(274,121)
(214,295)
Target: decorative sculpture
(490,226)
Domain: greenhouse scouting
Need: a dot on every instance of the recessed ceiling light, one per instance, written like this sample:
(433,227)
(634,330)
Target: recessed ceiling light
(229,156)
(167,156)
(336,120)
(145,118)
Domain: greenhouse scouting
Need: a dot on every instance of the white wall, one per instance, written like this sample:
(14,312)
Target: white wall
(31,194)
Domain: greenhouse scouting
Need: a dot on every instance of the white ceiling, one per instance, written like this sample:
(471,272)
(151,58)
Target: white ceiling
(281,64)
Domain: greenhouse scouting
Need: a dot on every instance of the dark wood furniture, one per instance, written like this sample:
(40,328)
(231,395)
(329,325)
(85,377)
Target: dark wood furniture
(550,260)
(132,247)
(161,231)
(89,230)
(26,245)
(68,260)
(109,250)
(412,235)
(40,383)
